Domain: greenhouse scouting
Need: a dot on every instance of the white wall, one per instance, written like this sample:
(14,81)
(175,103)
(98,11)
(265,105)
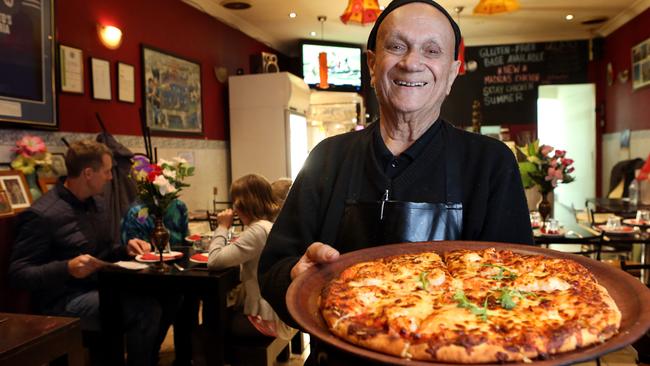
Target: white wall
(211,158)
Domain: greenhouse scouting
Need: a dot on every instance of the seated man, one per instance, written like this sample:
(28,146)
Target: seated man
(65,238)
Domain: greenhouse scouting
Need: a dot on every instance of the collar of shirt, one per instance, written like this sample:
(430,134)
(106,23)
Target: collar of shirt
(66,195)
(394,165)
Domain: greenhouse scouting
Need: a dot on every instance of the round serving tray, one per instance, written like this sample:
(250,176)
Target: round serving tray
(631,296)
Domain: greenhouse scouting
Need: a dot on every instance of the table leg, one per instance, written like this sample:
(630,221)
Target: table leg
(112,338)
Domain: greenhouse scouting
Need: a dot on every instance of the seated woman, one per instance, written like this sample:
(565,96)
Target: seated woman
(254,204)
(135,224)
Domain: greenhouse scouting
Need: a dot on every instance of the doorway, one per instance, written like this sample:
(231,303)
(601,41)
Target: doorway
(566,120)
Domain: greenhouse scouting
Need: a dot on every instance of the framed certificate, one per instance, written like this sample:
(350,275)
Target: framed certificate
(71,69)
(125,82)
(101,78)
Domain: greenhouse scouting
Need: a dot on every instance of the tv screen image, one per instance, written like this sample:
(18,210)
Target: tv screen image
(343,64)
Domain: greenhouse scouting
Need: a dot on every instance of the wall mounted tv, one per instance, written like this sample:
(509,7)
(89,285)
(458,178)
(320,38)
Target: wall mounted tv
(343,64)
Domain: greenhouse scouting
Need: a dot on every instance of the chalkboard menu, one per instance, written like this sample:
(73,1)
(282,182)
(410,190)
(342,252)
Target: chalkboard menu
(505,78)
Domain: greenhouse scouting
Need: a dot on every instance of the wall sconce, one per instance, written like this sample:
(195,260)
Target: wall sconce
(110,36)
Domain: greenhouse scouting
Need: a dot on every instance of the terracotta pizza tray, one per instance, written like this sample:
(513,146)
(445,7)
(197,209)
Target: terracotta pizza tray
(631,296)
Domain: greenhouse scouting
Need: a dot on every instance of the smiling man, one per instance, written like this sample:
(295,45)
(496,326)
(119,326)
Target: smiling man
(409,177)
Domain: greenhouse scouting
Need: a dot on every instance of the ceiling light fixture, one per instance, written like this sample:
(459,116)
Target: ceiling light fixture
(361,12)
(235,4)
(322,56)
(569,17)
(312,33)
(292,15)
(488,7)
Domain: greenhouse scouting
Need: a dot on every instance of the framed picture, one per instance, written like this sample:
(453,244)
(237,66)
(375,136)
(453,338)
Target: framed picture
(5,205)
(101,78)
(47,183)
(58,164)
(641,64)
(125,82)
(13,182)
(171,92)
(71,69)
(27,96)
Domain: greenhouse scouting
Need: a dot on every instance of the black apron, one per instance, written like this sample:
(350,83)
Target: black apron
(386,221)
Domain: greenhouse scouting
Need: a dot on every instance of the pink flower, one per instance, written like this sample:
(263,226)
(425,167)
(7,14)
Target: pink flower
(570,170)
(567,162)
(29,146)
(545,149)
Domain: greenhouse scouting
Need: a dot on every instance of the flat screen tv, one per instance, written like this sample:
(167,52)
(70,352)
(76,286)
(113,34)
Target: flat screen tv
(343,65)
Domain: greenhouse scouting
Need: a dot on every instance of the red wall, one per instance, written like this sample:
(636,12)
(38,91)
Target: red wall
(625,108)
(168,25)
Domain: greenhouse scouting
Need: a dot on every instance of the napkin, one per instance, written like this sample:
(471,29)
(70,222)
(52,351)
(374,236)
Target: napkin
(200,257)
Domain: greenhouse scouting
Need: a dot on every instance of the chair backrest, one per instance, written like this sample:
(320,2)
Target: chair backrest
(212,219)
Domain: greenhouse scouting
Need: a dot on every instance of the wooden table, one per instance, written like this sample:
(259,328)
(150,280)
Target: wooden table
(37,340)
(211,286)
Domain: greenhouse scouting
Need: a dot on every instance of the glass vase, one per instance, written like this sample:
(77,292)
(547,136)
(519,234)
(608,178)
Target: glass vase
(32,182)
(160,241)
(544,206)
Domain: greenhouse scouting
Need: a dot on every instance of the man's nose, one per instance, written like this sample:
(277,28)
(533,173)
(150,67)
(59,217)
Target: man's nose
(412,61)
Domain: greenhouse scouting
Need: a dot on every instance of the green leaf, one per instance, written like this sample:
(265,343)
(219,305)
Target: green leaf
(525,169)
(424,282)
(463,302)
(506,300)
(501,275)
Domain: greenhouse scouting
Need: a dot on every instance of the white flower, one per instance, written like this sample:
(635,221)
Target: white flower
(180,160)
(164,187)
(169,173)
(163,162)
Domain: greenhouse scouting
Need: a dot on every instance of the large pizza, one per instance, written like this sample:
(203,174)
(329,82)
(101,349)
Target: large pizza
(469,306)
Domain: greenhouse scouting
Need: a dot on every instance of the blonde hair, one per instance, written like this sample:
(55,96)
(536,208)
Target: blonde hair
(252,195)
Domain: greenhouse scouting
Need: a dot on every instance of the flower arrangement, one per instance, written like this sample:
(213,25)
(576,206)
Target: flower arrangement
(31,153)
(159,184)
(543,169)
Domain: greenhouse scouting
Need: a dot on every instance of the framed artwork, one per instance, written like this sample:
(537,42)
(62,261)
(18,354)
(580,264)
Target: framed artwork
(47,183)
(171,92)
(5,205)
(641,64)
(71,69)
(125,82)
(58,164)
(101,78)
(13,182)
(27,97)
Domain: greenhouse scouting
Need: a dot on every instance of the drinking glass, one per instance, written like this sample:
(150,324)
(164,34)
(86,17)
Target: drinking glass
(552,226)
(613,223)
(643,217)
(535,219)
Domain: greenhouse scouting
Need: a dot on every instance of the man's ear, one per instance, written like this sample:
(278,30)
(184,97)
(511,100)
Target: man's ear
(87,172)
(453,72)
(370,60)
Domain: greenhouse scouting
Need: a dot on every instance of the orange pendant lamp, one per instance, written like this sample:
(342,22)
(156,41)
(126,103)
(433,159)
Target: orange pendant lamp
(322,70)
(361,11)
(488,7)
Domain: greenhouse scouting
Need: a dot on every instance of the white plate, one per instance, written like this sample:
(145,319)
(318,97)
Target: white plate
(166,257)
(131,265)
(622,230)
(199,261)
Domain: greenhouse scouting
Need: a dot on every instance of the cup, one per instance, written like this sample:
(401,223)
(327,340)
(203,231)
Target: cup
(552,226)
(535,219)
(613,223)
(643,216)
(203,244)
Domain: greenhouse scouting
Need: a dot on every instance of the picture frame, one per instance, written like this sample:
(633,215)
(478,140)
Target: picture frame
(101,78)
(171,92)
(58,164)
(14,183)
(47,183)
(5,205)
(641,65)
(71,69)
(125,82)
(28,97)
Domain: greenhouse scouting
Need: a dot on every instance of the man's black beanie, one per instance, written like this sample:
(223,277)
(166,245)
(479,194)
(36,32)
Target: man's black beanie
(372,38)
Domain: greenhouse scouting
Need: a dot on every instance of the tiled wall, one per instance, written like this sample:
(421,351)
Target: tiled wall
(211,158)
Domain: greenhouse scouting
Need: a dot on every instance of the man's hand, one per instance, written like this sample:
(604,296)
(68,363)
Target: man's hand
(84,265)
(317,253)
(137,247)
